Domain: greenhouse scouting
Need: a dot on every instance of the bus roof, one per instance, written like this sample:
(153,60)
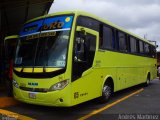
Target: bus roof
(11,37)
(77,13)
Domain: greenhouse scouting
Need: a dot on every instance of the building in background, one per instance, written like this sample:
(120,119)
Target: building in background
(13,14)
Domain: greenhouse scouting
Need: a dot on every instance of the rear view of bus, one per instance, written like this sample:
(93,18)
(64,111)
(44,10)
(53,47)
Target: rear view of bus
(41,60)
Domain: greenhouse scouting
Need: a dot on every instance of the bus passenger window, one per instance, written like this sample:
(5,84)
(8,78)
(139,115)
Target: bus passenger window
(133,45)
(122,42)
(106,42)
(146,49)
(141,47)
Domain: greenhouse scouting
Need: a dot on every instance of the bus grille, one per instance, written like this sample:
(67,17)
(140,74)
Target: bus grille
(34,89)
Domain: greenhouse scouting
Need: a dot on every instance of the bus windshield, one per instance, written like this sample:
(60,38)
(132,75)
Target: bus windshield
(44,43)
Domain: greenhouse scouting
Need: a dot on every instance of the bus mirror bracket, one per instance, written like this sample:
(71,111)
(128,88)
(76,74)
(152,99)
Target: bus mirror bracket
(83,31)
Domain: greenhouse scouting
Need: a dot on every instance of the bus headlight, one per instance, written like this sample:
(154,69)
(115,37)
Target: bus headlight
(59,85)
(14,82)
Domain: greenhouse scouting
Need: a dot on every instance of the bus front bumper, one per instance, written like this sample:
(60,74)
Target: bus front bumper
(54,98)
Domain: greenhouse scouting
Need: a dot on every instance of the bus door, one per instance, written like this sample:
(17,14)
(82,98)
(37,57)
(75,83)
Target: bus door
(83,61)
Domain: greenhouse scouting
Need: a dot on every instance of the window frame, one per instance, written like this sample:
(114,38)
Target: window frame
(115,42)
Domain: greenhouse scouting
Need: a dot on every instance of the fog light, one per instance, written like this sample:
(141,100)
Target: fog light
(61,100)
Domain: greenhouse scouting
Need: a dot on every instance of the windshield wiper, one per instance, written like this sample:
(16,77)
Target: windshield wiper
(22,67)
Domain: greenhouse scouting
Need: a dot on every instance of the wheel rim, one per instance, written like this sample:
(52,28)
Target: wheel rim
(106,91)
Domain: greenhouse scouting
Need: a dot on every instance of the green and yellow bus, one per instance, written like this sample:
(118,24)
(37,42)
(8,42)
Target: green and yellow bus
(66,58)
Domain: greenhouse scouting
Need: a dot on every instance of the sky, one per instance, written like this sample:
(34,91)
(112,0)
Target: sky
(141,17)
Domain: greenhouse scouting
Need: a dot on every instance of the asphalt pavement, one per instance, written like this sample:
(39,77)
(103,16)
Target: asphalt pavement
(136,103)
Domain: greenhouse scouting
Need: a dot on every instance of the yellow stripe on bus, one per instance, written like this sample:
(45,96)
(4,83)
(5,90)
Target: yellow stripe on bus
(109,105)
(37,70)
(18,69)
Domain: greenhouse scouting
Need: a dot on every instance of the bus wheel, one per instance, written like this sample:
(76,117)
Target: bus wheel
(147,81)
(106,93)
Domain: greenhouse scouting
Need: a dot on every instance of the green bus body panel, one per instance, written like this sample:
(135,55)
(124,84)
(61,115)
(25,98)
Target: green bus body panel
(126,70)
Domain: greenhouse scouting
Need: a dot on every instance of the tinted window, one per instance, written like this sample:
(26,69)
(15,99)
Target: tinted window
(146,49)
(122,42)
(137,44)
(107,37)
(152,51)
(133,45)
(141,47)
(88,22)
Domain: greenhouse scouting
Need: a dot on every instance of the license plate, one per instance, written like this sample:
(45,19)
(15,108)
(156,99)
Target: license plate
(32,95)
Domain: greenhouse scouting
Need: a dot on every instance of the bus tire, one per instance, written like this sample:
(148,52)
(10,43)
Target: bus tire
(147,81)
(106,92)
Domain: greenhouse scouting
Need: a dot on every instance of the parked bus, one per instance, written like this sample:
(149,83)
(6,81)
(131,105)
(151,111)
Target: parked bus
(9,49)
(66,58)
